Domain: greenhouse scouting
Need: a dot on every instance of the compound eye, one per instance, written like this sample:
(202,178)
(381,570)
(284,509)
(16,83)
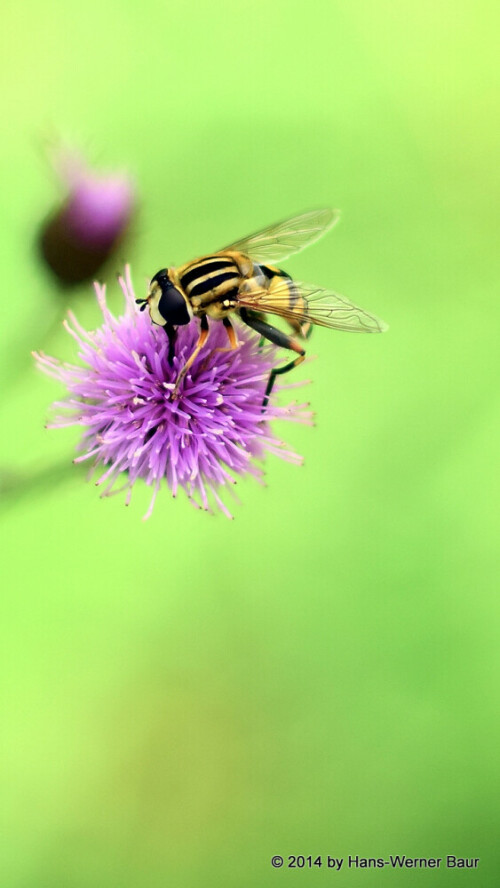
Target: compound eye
(172,305)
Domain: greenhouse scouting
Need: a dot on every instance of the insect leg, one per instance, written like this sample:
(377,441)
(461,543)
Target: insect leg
(279,338)
(172,336)
(304,331)
(262,340)
(277,372)
(199,345)
(231,335)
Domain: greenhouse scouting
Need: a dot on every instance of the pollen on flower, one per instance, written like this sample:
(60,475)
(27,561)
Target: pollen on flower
(121,396)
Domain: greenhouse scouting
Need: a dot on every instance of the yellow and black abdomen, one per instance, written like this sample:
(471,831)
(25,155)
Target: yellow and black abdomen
(210,279)
(282,287)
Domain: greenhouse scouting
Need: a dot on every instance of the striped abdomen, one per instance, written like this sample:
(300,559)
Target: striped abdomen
(210,279)
(284,290)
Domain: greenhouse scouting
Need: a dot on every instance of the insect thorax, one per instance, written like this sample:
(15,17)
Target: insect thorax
(209,280)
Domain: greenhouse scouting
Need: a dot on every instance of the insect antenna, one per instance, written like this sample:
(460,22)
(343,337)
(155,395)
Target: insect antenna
(142,302)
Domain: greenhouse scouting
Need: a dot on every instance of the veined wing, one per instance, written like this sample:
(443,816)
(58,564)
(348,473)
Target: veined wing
(279,241)
(304,302)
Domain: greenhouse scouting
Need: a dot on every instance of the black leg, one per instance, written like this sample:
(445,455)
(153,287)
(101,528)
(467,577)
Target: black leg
(172,336)
(276,372)
(284,340)
(305,329)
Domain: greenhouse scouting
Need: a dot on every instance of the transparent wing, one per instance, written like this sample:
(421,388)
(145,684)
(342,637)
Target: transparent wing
(279,241)
(305,302)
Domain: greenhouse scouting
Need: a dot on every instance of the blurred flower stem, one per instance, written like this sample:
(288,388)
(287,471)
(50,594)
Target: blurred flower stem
(18,358)
(17,483)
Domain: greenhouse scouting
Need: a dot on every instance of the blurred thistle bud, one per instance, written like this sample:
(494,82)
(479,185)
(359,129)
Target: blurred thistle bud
(81,235)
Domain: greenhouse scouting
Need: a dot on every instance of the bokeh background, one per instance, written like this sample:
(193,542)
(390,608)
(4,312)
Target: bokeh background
(183,698)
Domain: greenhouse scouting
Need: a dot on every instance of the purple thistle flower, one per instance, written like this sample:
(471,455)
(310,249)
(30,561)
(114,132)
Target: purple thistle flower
(122,397)
(84,231)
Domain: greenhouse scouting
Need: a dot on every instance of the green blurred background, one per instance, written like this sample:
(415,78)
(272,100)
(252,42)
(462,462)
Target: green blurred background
(183,698)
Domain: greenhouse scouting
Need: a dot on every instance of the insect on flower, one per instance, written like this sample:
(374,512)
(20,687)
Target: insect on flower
(238,280)
(120,396)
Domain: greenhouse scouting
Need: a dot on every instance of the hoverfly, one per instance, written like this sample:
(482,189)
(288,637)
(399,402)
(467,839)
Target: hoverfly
(238,280)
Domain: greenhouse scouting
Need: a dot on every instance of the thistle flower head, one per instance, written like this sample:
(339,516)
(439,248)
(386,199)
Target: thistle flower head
(80,235)
(122,397)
